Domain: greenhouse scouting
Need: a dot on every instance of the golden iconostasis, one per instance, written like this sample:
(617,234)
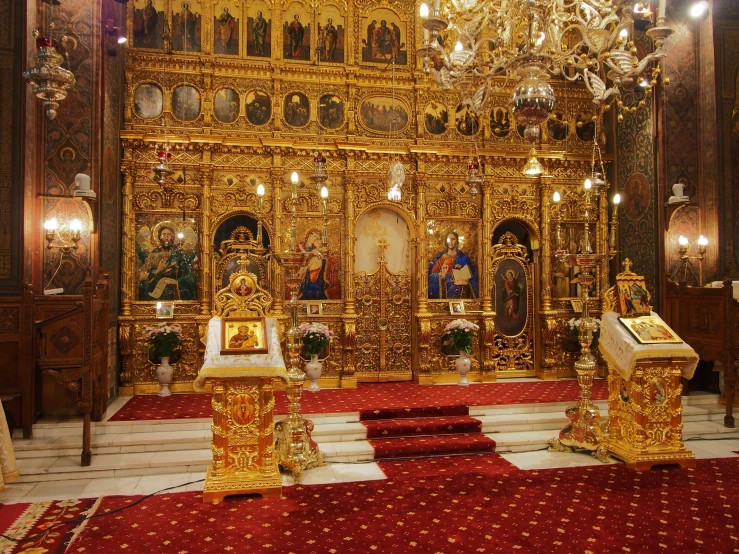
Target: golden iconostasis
(234,90)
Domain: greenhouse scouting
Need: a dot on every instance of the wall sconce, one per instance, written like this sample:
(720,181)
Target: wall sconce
(685,266)
(65,237)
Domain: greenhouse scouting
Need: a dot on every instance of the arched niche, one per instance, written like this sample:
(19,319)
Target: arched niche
(234,238)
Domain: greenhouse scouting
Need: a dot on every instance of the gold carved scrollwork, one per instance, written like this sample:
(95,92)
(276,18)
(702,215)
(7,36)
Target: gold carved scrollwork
(166,197)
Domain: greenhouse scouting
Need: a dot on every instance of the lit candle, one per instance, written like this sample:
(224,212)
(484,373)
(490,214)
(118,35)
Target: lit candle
(682,240)
(260,195)
(324,199)
(588,184)
(703,241)
(294,180)
(426,35)
(556,197)
(423,10)
(616,203)
(437,7)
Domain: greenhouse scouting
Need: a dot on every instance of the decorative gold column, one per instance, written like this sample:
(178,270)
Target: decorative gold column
(486,286)
(422,375)
(348,377)
(128,242)
(546,260)
(206,178)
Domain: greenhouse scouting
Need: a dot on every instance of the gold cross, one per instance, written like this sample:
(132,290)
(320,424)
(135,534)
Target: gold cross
(382,244)
(627,265)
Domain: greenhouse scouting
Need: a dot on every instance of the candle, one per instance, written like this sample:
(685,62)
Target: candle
(437,7)
(426,35)
(423,10)
(294,179)
(556,197)
(260,194)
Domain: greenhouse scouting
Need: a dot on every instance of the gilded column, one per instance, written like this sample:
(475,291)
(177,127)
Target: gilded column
(128,238)
(546,260)
(206,180)
(276,240)
(348,378)
(487,339)
(423,284)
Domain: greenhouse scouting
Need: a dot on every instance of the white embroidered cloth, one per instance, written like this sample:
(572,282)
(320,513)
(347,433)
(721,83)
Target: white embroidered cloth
(734,286)
(621,350)
(217,365)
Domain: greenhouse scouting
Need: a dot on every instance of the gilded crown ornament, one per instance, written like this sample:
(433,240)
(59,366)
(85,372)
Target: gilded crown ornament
(49,79)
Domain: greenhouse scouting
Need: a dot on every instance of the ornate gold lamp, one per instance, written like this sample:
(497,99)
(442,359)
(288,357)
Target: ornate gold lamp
(49,79)
(296,450)
(584,429)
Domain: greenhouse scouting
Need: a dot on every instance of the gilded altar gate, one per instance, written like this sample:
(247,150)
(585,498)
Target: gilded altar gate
(237,100)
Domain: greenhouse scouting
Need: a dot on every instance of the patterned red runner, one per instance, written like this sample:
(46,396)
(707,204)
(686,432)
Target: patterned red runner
(370,397)
(472,504)
(407,447)
(386,428)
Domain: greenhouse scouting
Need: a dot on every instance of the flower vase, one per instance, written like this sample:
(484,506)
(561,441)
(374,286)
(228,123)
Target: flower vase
(313,371)
(164,376)
(463,364)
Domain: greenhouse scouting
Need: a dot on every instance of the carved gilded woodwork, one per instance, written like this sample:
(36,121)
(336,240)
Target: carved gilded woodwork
(218,164)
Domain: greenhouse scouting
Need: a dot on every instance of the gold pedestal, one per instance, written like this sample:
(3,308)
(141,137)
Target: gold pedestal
(646,415)
(244,460)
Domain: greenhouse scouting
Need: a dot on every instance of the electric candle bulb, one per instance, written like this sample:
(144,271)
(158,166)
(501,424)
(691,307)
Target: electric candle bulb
(260,189)
(624,33)
(459,46)
(617,199)
(294,177)
(556,197)
(51,224)
(180,235)
(683,240)
(324,192)
(423,10)
(588,184)
(703,241)
(75,225)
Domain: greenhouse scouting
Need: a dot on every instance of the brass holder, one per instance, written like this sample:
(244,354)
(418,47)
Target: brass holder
(293,443)
(584,429)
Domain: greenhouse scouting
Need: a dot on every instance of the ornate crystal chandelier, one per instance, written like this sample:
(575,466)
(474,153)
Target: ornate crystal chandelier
(468,44)
(49,79)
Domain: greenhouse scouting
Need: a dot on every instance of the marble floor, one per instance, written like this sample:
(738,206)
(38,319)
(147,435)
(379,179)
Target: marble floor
(330,473)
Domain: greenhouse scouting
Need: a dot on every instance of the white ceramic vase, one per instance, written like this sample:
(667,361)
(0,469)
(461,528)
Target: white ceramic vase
(164,376)
(313,371)
(463,364)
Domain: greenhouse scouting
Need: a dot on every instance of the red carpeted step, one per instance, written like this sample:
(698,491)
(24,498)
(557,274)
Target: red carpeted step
(444,466)
(386,428)
(423,446)
(418,411)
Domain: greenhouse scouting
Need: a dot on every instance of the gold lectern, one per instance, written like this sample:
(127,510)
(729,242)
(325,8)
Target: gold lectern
(645,397)
(244,457)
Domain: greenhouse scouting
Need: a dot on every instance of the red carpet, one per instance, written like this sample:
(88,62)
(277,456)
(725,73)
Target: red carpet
(480,464)
(370,397)
(407,447)
(26,520)
(599,509)
(386,428)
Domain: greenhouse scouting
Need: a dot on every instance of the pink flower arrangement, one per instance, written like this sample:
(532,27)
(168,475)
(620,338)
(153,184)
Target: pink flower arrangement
(164,338)
(462,333)
(315,337)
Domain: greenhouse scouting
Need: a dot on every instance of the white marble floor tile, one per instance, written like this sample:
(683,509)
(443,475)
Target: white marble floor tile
(154,483)
(56,490)
(713,448)
(116,405)
(357,472)
(542,459)
(14,492)
(315,476)
(110,487)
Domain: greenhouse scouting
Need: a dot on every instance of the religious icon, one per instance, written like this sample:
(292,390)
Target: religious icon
(243,335)
(436,118)
(384,40)
(636,196)
(452,274)
(331,111)
(148,101)
(657,391)
(226,105)
(168,271)
(633,297)
(456,308)
(186,27)
(296,32)
(186,103)
(233,266)
(320,271)
(314,308)
(511,297)
(624,392)
(259,29)
(226,32)
(383,114)
(650,329)
(258,107)
(467,122)
(296,109)
(558,126)
(500,122)
(331,35)
(165,310)
(148,24)
(242,288)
